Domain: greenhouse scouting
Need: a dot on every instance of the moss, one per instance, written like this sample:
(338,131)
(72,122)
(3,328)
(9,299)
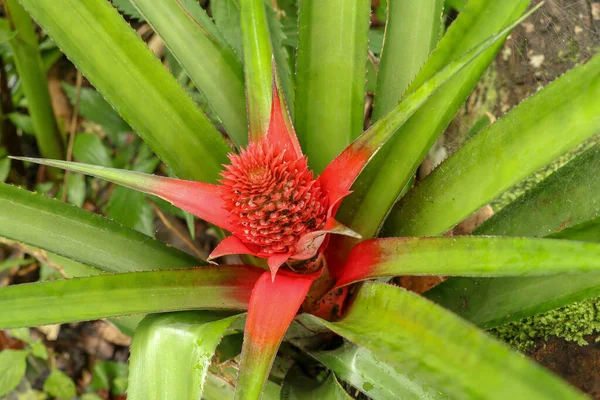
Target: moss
(571,323)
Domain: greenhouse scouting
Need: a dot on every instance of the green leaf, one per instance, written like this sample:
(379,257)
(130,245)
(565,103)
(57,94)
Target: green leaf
(38,349)
(297,386)
(537,131)
(171,353)
(117,62)
(28,62)
(281,55)
(85,237)
(458,5)
(4,169)
(258,53)
(12,369)
(564,198)
(59,385)
(22,121)
(93,107)
(374,194)
(488,303)
(375,378)
(127,8)
(226,14)
(109,375)
(81,299)
(330,76)
(217,387)
(132,209)
(211,63)
(76,190)
(431,346)
(468,256)
(88,148)
(412,31)
(567,197)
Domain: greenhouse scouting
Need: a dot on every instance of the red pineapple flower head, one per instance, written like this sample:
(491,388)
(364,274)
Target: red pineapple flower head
(272,198)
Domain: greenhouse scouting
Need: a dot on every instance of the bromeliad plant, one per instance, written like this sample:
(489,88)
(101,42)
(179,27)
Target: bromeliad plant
(285,222)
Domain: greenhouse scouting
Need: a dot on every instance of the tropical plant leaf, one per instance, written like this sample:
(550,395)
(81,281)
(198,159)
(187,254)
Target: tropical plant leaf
(372,376)
(59,385)
(206,56)
(567,197)
(171,353)
(198,198)
(373,194)
(266,324)
(85,237)
(93,107)
(281,56)
(431,346)
(28,61)
(330,76)
(12,368)
(257,65)
(127,9)
(116,61)
(468,256)
(537,131)
(226,14)
(413,28)
(564,198)
(89,148)
(80,299)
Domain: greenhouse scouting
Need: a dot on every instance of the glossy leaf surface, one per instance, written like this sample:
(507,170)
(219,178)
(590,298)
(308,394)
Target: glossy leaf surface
(533,134)
(375,378)
(330,76)
(171,353)
(83,236)
(80,299)
(412,30)
(273,305)
(208,59)
(567,197)
(258,70)
(428,342)
(28,60)
(468,256)
(373,194)
(116,61)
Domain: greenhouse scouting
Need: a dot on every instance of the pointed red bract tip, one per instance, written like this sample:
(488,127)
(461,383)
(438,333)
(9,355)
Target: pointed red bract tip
(272,199)
(281,132)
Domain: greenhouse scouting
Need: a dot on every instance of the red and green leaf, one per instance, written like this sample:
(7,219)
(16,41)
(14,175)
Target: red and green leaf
(273,305)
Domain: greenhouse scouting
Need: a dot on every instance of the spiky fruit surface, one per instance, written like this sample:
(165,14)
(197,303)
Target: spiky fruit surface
(273,198)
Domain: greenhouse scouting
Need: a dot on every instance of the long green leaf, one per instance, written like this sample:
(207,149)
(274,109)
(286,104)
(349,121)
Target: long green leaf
(533,134)
(564,198)
(330,75)
(116,61)
(372,376)
(488,303)
(80,299)
(171,353)
(381,183)
(28,60)
(468,256)
(211,63)
(567,197)
(82,236)
(411,32)
(258,53)
(430,343)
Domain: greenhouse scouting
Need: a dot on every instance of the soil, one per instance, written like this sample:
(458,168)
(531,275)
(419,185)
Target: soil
(579,365)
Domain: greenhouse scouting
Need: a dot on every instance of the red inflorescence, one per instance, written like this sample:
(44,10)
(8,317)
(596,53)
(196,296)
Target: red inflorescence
(272,198)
